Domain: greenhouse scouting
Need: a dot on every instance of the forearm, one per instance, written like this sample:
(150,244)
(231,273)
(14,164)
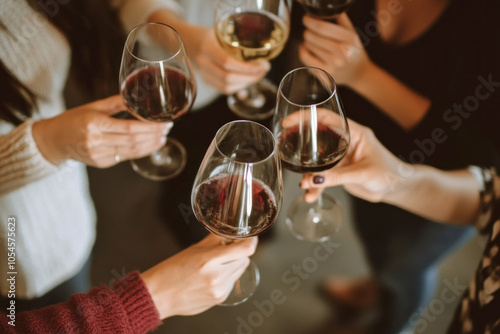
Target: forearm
(399,102)
(443,196)
(191,34)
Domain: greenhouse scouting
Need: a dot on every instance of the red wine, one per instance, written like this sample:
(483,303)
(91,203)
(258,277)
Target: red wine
(325,9)
(157,96)
(252,35)
(227,206)
(297,150)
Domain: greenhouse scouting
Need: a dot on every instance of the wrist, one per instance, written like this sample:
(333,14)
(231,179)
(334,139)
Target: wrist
(155,290)
(402,182)
(365,79)
(42,136)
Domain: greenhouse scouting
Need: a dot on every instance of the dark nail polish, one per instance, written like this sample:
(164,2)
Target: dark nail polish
(318,179)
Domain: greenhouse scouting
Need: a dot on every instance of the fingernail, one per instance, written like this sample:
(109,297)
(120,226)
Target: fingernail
(318,179)
(300,184)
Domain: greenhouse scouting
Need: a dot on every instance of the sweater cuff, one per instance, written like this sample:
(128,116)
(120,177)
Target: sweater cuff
(137,303)
(20,160)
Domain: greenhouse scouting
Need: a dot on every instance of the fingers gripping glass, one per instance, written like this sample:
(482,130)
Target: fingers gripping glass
(157,85)
(237,192)
(253,30)
(313,135)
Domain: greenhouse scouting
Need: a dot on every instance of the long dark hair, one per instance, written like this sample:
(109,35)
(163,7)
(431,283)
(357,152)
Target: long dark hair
(96,38)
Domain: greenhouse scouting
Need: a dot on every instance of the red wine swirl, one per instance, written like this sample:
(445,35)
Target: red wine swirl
(230,207)
(299,155)
(156,96)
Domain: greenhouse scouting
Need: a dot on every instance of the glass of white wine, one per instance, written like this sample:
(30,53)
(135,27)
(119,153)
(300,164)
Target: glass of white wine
(253,30)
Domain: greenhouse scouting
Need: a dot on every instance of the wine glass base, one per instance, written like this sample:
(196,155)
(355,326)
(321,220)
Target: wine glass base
(163,164)
(244,287)
(257,106)
(315,222)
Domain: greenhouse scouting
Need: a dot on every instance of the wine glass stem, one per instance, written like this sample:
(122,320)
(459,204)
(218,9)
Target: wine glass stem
(320,200)
(255,97)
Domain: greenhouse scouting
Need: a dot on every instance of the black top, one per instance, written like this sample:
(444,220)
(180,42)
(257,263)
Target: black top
(446,63)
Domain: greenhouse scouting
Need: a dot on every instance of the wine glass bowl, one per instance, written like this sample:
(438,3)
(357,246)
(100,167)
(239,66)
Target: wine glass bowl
(237,192)
(325,9)
(157,85)
(253,30)
(315,222)
(313,135)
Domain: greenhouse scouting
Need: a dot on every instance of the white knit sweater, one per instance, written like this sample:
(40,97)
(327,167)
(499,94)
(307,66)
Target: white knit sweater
(54,214)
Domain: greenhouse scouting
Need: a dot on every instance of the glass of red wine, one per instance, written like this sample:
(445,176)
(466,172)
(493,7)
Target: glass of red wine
(313,135)
(325,9)
(157,85)
(253,30)
(237,192)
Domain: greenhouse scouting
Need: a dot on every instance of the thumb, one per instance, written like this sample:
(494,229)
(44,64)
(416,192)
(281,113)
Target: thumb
(109,105)
(233,251)
(344,21)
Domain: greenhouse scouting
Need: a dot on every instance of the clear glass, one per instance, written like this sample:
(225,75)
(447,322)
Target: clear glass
(157,84)
(325,9)
(252,30)
(237,192)
(313,135)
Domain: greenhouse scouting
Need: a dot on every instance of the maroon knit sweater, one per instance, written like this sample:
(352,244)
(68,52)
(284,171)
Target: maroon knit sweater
(125,308)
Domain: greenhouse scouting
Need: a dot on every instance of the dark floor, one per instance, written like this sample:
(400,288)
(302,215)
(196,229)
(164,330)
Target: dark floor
(132,235)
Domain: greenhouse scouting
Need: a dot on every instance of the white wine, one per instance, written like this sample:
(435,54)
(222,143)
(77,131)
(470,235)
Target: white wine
(252,35)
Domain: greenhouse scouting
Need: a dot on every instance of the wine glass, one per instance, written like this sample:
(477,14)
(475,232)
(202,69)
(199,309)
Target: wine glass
(325,9)
(252,30)
(313,135)
(157,85)
(237,192)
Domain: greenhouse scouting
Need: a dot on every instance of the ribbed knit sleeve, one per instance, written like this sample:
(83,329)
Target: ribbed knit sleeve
(20,160)
(125,308)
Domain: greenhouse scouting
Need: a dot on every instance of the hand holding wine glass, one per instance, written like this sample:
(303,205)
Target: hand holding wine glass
(313,135)
(253,30)
(365,170)
(336,48)
(157,85)
(237,192)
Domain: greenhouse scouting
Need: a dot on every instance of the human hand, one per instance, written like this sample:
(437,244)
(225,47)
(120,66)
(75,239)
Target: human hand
(221,70)
(88,134)
(198,277)
(336,48)
(368,171)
